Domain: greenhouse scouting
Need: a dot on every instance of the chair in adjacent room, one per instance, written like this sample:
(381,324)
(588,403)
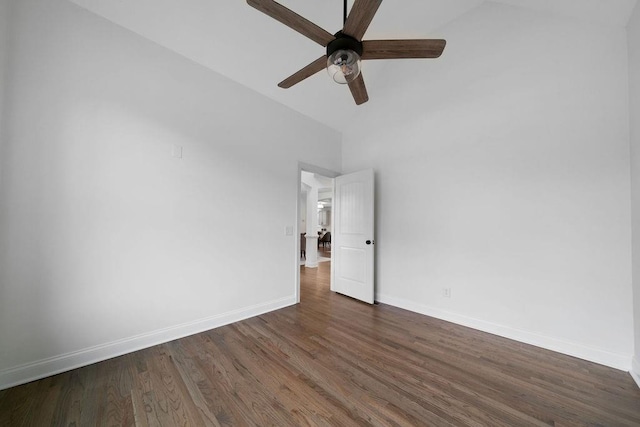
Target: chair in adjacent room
(326,239)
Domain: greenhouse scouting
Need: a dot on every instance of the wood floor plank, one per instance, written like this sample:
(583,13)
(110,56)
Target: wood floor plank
(192,379)
(17,408)
(334,407)
(330,366)
(266,371)
(219,398)
(332,361)
(170,399)
(52,390)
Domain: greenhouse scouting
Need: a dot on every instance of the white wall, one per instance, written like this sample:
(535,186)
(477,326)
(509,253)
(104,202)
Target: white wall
(4,32)
(107,242)
(503,173)
(633,32)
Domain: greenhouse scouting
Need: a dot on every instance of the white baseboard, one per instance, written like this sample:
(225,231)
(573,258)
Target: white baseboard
(54,365)
(635,370)
(596,355)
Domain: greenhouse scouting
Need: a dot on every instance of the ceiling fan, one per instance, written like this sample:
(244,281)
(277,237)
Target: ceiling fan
(346,49)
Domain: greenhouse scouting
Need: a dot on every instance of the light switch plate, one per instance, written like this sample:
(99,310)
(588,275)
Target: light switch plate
(288,230)
(176,151)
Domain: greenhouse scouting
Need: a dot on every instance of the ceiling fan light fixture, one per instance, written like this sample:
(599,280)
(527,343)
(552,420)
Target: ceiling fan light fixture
(343,58)
(344,66)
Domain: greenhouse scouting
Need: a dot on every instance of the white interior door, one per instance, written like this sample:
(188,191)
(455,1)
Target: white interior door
(352,237)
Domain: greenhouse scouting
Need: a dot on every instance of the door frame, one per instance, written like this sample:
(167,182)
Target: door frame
(320,171)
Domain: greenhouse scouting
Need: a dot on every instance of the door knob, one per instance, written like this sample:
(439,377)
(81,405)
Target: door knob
(369,242)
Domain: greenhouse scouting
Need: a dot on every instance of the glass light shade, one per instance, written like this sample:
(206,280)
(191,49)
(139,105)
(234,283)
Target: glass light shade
(344,66)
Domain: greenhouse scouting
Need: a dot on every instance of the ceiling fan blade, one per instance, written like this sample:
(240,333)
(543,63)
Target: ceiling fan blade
(394,49)
(358,90)
(360,17)
(293,20)
(308,71)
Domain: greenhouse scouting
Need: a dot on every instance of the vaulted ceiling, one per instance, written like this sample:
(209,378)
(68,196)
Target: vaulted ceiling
(237,41)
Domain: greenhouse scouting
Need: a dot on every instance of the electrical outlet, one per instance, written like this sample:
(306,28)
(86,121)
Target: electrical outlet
(446,292)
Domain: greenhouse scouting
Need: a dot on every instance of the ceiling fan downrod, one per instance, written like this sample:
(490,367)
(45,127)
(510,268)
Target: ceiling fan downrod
(344,15)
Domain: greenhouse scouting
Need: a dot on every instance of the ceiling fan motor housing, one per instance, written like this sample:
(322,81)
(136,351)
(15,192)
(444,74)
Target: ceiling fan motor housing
(344,42)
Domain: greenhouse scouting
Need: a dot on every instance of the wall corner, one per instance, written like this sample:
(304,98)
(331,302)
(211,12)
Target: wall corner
(635,370)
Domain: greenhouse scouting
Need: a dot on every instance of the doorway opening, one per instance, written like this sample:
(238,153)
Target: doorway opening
(314,225)
(352,237)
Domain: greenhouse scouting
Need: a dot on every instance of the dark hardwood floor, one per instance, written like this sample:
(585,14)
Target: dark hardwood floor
(331,361)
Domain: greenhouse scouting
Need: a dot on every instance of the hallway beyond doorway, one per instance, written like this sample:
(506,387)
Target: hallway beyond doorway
(324,255)
(316,282)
